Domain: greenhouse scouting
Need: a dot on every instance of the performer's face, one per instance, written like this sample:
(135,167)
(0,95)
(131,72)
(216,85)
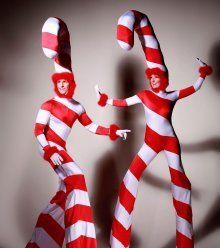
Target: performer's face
(63,86)
(155,81)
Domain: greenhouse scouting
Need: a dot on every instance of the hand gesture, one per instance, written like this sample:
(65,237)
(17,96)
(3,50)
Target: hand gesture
(56,159)
(123,133)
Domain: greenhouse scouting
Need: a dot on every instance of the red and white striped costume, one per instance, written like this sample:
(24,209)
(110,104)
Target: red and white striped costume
(159,136)
(69,215)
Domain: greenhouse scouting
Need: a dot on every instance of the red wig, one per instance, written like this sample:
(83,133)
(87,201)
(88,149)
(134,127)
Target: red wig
(163,75)
(69,78)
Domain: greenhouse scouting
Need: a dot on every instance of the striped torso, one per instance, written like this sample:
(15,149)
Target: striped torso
(158,111)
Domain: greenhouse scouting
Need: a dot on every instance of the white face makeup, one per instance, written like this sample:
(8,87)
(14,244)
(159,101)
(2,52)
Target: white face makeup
(155,81)
(63,86)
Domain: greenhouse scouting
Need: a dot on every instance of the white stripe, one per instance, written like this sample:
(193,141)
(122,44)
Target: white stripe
(133,100)
(60,148)
(149,41)
(77,197)
(123,216)
(174,160)
(59,68)
(59,127)
(184,227)
(131,183)
(181,194)
(124,45)
(71,104)
(51,26)
(72,168)
(92,127)
(197,85)
(56,212)
(43,239)
(49,53)
(43,116)
(42,140)
(115,243)
(154,65)
(80,228)
(146,154)
(127,20)
(158,123)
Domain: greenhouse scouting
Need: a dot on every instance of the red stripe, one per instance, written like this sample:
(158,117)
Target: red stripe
(120,233)
(52,136)
(51,227)
(82,242)
(186,92)
(49,41)
(171,144)
(76,213)
(153,140)
(84,119)
(147,30)
(64,114)
(32,245)
(137,167)
(75,182)
(59,199)
(66,157)
(102,130)
(155,102)
(183,241)
(125,34)
(119,103)
(153,55)
(126,199)
(178,178)
(47,105)
(38,129)
(183,210)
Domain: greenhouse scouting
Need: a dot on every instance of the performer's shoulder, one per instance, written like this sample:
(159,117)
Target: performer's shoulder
(47,105)
(78,107)
(142,93)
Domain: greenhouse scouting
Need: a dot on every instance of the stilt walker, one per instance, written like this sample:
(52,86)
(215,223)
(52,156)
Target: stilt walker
(160,135)
(68,215)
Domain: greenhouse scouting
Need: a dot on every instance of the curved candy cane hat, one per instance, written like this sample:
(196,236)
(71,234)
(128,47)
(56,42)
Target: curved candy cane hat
(131,21)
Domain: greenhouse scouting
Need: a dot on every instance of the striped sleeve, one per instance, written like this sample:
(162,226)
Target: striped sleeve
(85,120)
(42,119)
(124,102)
(190,90)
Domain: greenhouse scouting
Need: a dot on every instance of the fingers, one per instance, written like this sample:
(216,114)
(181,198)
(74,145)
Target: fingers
(124,136)
(97,90)
(56,159)
(201,63)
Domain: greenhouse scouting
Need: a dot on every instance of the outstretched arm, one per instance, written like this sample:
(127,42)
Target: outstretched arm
(103,99)
(204,71)
(50,152)
(113,131)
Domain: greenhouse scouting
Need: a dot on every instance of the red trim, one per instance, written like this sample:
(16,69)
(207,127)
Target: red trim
(112,132)
(103,100)
(49,151)
(205,71)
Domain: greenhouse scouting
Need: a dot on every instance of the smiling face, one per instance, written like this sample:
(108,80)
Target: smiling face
(63,86)
(155,81)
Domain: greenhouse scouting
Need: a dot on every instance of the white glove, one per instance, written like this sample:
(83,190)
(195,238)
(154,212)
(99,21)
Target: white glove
(56,159)
(123,133)
(201,63)
(97,91)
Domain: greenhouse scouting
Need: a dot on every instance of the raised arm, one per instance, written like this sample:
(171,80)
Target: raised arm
(103,99)
(113,131)
(204,71)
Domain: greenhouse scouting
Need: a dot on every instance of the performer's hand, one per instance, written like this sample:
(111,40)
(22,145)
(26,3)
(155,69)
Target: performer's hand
(123,133)
(56,159)
(204,69)
(102,97)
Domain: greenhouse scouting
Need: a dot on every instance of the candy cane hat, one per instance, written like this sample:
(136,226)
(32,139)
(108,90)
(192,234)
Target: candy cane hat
(56,46)
(131,21)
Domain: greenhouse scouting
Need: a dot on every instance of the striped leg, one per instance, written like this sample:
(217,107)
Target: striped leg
(121,227)
(50,230)
(69,213)
(181,190)
(80,230)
